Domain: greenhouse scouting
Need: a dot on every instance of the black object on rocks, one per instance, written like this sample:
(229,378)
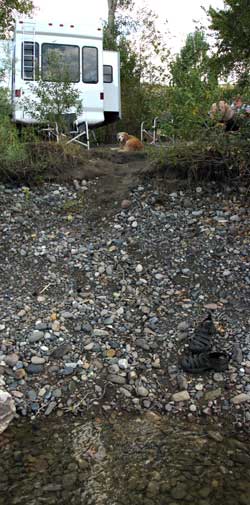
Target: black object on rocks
(205,361)
(202,338)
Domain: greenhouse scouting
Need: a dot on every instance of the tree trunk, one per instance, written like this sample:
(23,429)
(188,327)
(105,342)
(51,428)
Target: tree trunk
(112,5)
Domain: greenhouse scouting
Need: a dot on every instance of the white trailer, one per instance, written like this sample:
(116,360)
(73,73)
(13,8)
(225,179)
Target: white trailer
(94,73)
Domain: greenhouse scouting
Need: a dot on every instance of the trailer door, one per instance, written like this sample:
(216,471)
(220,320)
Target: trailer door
(111,84)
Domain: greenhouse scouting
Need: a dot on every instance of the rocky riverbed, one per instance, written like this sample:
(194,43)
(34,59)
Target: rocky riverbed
(100,295)
(124,459)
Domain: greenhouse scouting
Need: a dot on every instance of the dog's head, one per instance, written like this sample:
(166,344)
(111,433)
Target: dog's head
(122,137)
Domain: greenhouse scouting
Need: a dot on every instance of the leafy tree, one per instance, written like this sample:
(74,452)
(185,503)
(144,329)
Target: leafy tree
(143,56)
(193,85)
(53,98)
(9,8)
(232,32)
(114,7)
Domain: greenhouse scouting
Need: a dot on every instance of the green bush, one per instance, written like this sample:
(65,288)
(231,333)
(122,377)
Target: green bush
(11,148)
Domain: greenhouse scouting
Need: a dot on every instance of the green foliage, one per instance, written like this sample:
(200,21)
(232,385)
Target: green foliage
(8,10)
(11,149)
(5,106)
(51,100)
(193,88)
(232,31)
(141,63)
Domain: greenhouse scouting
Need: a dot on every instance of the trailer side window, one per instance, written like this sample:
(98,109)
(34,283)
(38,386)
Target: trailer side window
(107,73)
(30,61)
(60,62)
(90,65)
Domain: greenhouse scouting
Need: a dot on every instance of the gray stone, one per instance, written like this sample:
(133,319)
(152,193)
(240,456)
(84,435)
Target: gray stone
(89,347)
(116,379)
(37,360)
(66,314)
(41,326)
(100,333)
(60,351)
(50,408)
(57,393)
(114,369)
(218,377)
(32,395)
(11,359)
(183,326)
(142,391)
(182,382)
(142,343)
(33,369)
(125,392)
(36,336)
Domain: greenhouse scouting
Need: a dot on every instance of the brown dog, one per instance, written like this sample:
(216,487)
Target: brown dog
(129,142)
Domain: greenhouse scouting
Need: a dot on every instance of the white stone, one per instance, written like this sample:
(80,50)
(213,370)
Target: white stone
(139,268)
(7,410)
(199,387)
(192,408)
(123,364)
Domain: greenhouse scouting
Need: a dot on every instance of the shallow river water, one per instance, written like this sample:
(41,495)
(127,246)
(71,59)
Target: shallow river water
(127,460)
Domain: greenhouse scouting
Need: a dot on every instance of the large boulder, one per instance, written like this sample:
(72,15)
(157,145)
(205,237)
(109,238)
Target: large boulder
(7,410)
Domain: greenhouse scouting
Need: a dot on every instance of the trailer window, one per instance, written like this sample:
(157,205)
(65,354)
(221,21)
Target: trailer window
(60,62)
(90,65)
(30,61)
(107,73)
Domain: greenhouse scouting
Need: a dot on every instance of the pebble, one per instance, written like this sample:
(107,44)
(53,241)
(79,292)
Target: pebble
(139,269)
(36,336)
(218,377)
(213,394)
(34,369)
(37,360)
(241,398)
(181,396)
(50,408)
(142,391)
(11,359)
(125,204)
(116,379)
